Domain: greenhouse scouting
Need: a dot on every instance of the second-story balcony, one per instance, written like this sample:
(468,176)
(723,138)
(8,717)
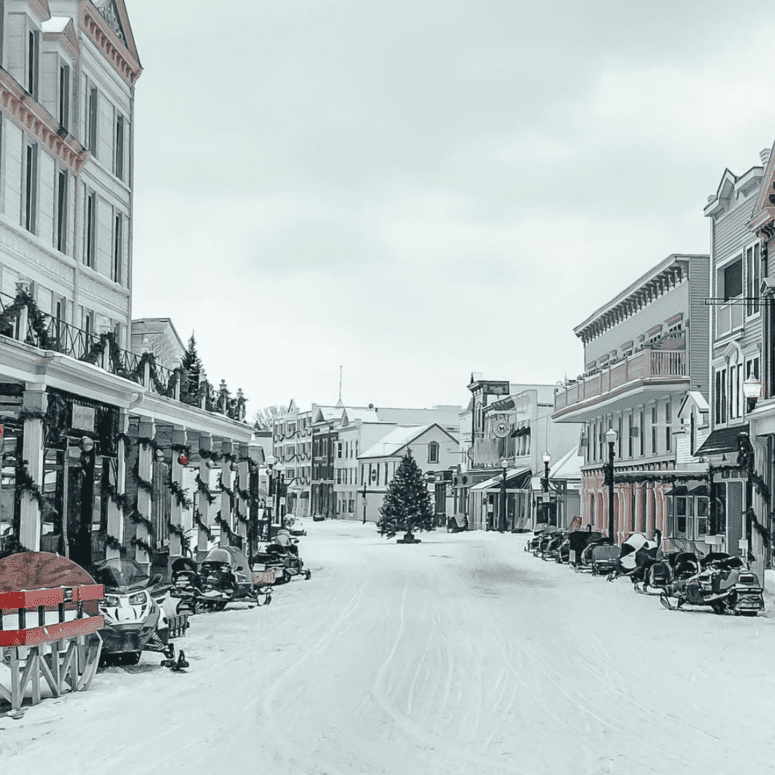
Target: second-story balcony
(644,376)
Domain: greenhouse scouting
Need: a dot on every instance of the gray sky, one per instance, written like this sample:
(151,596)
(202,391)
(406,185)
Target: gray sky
(419,189)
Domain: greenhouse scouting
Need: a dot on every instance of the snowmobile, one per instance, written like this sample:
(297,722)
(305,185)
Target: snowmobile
(677,565)
(575,543)
(552,548)
(185,585)
(225,576)
(282,557)
(725,585)
(637,555)
(543,541)
(457,523)
(585,562)
(134,621)
(604,557)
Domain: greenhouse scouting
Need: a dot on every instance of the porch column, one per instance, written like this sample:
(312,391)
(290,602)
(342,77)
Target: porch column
(244,488)
(145,455)
(34,402)
(650,510)
(202,505)
(659,508)
(227,480)
(115,514)
(639,514)
(179,439)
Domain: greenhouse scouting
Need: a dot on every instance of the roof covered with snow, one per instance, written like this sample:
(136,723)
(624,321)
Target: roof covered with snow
(395,441)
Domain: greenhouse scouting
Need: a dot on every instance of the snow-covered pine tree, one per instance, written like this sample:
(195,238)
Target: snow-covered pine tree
(193,369)
(407,505)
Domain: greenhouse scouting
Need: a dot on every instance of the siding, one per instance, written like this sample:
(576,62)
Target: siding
(699,325)
(674,301)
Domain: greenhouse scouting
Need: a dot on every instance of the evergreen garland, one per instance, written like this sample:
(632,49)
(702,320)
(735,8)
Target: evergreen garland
(138,519)
(208,454)
(176,530)
(407,503)
(204,489)
(127,442)
(225,489)
(34,315)
(142,484)
(201,525)
(111,542)
(141,544)
(223,524)
(181,449)
(180,494)
(26,486)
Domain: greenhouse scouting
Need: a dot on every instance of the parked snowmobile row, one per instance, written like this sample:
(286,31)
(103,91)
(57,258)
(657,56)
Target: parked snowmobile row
(684,574)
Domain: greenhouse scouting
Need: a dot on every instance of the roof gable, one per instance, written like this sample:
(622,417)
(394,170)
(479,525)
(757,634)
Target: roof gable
(763,218)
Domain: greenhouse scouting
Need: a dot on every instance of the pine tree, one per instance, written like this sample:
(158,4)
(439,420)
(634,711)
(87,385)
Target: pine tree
(407,504)
(193,366)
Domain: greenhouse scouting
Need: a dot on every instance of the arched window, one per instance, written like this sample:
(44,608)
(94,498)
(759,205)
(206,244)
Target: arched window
(433,452)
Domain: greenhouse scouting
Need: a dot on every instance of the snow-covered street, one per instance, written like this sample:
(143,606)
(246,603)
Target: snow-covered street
(461,654)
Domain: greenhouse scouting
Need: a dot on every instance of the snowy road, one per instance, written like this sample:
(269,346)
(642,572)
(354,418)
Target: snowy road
(462,654)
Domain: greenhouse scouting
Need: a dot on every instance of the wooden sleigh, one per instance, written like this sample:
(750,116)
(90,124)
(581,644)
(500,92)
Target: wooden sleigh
(48,635)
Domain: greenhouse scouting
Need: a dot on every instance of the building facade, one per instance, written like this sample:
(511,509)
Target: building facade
(643,351)
(95,437)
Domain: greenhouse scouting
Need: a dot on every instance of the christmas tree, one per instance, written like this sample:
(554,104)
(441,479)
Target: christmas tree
(407,505)
(193,370)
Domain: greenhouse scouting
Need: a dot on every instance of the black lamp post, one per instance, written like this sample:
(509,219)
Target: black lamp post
(545,487)
(504,468)
(364,503)
(610,437)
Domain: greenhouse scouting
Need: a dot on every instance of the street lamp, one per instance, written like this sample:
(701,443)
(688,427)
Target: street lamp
(610,437)
(752,390)
(504,467)
(547,460)
(364,503)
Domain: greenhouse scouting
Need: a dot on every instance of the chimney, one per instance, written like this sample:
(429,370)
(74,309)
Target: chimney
(764,155)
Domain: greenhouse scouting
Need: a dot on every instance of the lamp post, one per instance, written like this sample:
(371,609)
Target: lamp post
(545,487)
(610,437)
(274,490)
(504,468)
(364,503)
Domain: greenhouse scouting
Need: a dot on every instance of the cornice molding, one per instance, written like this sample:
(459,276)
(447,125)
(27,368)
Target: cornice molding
(32,118)
(101,34)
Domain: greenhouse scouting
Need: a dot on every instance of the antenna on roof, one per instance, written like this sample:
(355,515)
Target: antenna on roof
(339,403)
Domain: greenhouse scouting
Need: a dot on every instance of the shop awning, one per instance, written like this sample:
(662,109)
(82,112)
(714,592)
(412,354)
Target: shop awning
(516,478)
(722,441)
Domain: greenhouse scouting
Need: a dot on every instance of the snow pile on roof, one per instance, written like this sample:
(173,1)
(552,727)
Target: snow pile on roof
(568,466)
(55,24)
(394,441)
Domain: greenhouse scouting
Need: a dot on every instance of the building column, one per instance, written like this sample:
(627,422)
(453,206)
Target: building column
(640,516)
(115,514)
(659,508)
(202,504)
(227,517)
(34,403)
(242,504)
(179,439)
(145,455)
(650,510)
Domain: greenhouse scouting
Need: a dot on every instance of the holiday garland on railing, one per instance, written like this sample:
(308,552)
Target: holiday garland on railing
(34,315)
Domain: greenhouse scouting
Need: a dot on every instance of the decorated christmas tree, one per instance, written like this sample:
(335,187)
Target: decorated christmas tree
(407,505)
(193,370)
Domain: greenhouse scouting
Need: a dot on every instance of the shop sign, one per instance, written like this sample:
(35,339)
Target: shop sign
(83,417)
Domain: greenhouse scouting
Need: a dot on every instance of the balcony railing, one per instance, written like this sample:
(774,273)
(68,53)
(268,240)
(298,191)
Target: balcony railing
(647,364)
(20,319)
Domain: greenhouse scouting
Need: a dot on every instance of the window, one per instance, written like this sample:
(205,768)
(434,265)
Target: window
(118,241)
(30,186)
(753,278)
(433,452)
(642,434)
(731,277)
(33,55)
(720,407)
(64,95)
(118,157)
(631,434)
(91,120)
(668,429)
(619,439)
(654,442)
(90,241)
(339,449)
(61,211)
(338,475)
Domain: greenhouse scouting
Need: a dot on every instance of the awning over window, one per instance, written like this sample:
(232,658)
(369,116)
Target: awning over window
(516,479)
(722,441)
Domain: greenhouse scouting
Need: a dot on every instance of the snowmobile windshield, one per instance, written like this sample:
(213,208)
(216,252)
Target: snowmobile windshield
(121,572)
(218,555)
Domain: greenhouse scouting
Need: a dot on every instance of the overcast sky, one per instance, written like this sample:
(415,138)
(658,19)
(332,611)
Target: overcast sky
(419,189)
